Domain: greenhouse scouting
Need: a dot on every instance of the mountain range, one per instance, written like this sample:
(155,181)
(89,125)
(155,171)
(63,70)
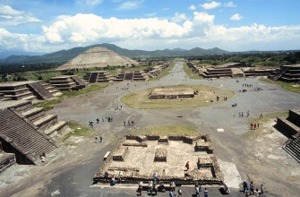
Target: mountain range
(66,55)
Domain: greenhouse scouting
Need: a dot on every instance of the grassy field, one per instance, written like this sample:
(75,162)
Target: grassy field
(165,130)
(49,104)
(140,99)
(190,73)
(78,130)
(266,121)
(293,87)
(163,73)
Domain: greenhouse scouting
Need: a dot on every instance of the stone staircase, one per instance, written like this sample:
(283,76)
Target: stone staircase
(293,148)
(290,127)
(39,90)
(51,89)
(44,123)
(20,137)
(16,91)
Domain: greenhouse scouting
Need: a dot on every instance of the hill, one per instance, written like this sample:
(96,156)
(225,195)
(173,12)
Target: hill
(63,56)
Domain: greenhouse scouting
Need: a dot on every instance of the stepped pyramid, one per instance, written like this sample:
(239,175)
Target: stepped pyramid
(97,57)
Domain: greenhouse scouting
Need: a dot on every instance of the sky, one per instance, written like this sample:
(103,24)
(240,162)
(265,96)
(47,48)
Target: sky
(232,25)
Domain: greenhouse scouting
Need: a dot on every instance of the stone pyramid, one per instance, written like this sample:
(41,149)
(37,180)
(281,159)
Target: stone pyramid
(97,57)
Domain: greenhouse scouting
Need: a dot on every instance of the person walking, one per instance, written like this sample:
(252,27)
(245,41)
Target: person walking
(179,192)
(205,192)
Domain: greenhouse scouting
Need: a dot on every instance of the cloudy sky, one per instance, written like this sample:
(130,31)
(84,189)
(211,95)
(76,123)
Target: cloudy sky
(237,25)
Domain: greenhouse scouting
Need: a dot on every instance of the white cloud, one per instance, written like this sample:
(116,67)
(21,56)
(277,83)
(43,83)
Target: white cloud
(192,7)
(89,2)
(179,17)
(236,17)
(12,17)
(230,4)
(210,5)
(151,33)
(130,5)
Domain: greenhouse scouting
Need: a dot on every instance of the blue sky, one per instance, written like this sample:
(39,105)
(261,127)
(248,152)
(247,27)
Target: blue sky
(233,25)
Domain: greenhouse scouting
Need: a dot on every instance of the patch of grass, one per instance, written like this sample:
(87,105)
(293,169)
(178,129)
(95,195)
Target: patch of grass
(164,72)
(292,87)
(140,99)
(165,130)
(190,72)
(78,130)
(49,104)
(263,121)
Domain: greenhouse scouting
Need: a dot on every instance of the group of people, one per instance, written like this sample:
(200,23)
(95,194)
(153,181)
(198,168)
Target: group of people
(241,114)
(254,126)
(108,118)
(98,138)
(129,123)
(249,189)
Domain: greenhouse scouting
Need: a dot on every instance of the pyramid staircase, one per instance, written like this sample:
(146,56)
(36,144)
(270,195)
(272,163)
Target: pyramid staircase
(20,137)
(290,127)
(16,91)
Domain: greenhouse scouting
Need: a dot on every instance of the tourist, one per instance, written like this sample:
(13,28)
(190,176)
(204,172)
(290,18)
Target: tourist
(150,187)
(171,194)
(205,192)
(197,191)
(179,192)
(96,139)
(261,189)
(187,165)
(173,185)
(251,188)
(97,120)
(256,193)
(245,186)
(198,164)
(140,188)
(100,138)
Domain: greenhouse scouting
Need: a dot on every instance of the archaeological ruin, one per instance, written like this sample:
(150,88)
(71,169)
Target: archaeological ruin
(288,73)
(138,158)
(27,131)
(172,93)
(28,90)
(68,82)
(290,127)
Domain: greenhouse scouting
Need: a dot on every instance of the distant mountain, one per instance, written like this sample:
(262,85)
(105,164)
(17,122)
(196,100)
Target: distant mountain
(64,56)
(5,54)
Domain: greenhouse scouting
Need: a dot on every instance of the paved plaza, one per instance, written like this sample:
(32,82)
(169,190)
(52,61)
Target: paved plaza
(70,170)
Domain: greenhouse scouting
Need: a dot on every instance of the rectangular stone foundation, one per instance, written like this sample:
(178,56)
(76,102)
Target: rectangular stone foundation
(142,162)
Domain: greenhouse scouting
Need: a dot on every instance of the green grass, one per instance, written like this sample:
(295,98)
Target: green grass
(78,130)
(190,72)
(140,99)
(49,104)
(263,120)
(163,73)
(292,87)
(165,130)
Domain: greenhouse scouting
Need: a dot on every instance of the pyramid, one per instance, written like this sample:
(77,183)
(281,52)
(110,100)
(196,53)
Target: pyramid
(97,57)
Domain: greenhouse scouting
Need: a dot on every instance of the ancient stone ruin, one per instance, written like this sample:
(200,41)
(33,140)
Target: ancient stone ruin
(27,131)
(68,82)
(288,73)
(138,158)
(172,93)
(28,90)
(290,127)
